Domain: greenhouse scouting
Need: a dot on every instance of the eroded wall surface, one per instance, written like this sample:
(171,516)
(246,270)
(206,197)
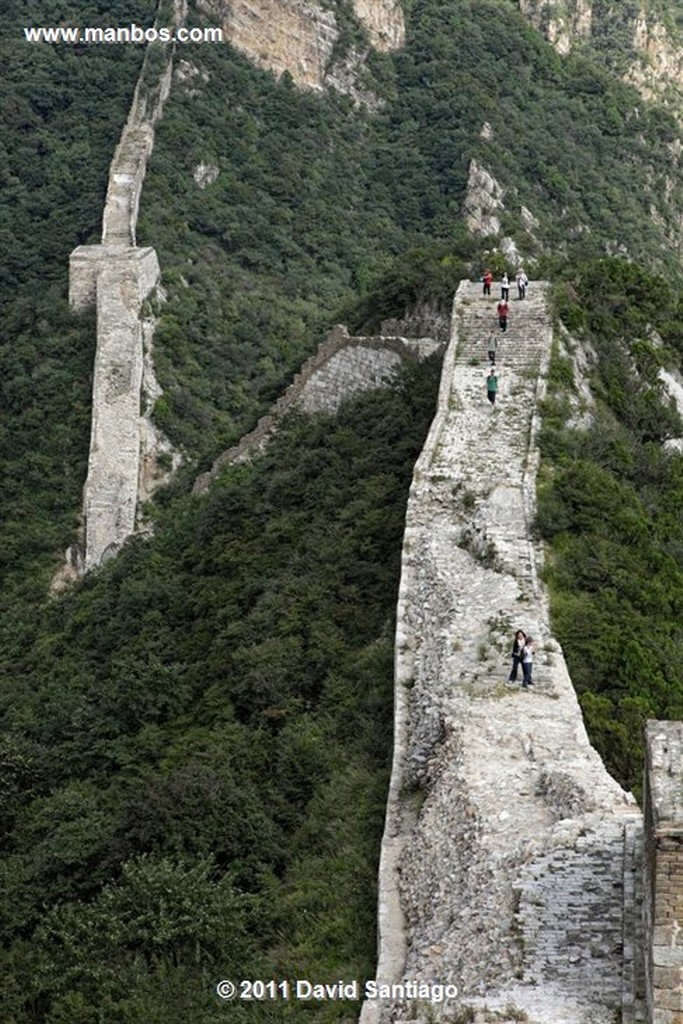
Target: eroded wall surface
(509,851)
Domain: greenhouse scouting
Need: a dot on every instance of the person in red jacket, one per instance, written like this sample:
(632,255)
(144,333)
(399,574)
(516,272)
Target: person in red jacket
(487,279)
(503,311)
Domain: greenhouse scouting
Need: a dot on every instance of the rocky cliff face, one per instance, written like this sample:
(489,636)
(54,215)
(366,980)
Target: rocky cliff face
(658,71)
(383,21)
(562,23)
(655,64)
(299,36)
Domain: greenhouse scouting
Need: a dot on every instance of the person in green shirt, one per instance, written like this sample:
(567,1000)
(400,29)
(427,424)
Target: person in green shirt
(492,385)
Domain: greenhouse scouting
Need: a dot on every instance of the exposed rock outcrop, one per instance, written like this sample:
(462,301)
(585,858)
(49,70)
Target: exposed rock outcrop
(659,67)
(563,23)
(483,207)
(299,37)
(383,21)
(483,201)
(656,65)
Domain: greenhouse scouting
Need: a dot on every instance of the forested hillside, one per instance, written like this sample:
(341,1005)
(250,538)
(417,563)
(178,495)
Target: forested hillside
(195,741)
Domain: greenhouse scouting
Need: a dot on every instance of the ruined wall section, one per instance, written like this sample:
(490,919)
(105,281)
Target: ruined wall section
(116,277)
(129,164)
(343,365)
(508,849)
(111,489)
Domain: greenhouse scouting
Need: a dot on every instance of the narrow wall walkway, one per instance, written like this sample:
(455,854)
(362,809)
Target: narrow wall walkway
(116,277)
(506,843)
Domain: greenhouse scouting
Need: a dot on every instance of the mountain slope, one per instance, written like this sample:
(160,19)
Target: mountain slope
(225,688)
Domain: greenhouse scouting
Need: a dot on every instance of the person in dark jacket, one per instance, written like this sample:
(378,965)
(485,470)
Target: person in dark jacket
(518,645)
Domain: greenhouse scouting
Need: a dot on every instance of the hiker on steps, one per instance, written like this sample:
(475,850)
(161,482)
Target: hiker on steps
(503,311)
(487,279)
(522,282)
(492,346)
(517,648)
(505,288)
(492,385)
(527,662)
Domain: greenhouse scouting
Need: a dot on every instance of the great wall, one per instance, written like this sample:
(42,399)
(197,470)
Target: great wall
(512,865)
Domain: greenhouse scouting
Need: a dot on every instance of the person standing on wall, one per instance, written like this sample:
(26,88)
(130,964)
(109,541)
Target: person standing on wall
(517,649)
(503,311)
(522,282)
(492,346)
(492,385)
(487,279)
(505,288)
(527,662)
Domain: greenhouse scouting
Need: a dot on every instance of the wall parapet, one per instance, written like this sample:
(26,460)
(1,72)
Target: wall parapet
(663,883)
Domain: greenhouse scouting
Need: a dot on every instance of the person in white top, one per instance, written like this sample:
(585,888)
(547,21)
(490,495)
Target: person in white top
(527,662)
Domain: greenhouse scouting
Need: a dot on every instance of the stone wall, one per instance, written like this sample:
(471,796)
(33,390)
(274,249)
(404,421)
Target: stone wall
(342,366)
(506,864)
(116,277)
(128,167)
(664,872)
(111,488)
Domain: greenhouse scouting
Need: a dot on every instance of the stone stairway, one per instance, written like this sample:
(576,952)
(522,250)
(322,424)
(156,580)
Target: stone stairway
(505,858)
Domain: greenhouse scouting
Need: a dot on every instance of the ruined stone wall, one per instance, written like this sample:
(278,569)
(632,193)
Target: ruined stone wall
(507,859)
(342,366)
(664,872)
(116,277)
(129,164)
(111,488)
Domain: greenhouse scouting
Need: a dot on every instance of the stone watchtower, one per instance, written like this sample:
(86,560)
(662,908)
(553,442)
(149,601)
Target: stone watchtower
(663,888)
